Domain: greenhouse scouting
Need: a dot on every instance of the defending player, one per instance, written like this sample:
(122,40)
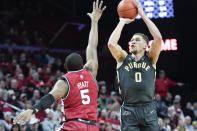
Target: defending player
(77,88)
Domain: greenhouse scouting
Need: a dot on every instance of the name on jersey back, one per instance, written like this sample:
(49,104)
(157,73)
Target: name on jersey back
(82,84)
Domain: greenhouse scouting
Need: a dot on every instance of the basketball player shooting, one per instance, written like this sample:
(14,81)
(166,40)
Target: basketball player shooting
(77,88)
(136,73)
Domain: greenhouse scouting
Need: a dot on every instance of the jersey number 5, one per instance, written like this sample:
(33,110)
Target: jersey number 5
(138,77)
(85,97)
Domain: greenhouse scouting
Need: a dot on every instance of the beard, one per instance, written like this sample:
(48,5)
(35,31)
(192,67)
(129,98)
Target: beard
(134,52)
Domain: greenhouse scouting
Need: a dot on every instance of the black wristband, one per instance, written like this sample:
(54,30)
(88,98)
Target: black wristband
(44,103)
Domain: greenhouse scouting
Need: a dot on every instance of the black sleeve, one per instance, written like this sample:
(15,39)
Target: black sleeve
(44,103)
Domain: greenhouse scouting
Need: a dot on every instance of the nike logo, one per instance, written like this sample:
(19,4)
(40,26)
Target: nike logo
(152,111)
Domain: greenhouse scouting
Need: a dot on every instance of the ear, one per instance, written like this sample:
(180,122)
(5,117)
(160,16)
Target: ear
(145,46)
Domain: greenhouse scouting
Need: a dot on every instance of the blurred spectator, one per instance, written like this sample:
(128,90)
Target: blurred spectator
(161,106)
(109,127)
(34,124)
(181,126)
(102,100)
(188,125)
(36,96)
(113,101)
(23,100)
(177,98)
(113,119)
(168,99)
(27,105)
(12,98)
(2,84)
(21,82)
(194,124)
(163,83)
(15,127)
(101,125)
(30,88)
(57,112)
(23,127)
(50,58)
(35,79)
(49,124)
(176,107)
(103,115)
(166,122)
(195,110)
(14,87)
(2,95)
(5,125)
(1,126)
(8,120)
(161,124)
(188,110)
(173,118)
(24,38)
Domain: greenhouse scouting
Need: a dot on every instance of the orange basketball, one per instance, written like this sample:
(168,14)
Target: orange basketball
(127,9)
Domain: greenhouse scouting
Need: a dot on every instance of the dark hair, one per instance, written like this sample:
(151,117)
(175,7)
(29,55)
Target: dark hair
(143,36)
(73,62)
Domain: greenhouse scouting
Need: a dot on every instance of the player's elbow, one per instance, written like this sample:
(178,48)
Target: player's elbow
(110,45)
(159,39)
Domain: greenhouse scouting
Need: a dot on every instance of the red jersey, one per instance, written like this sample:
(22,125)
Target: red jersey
(162,86)
(81,100)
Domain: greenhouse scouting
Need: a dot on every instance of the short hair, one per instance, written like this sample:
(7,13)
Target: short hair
(143,36)
(73,62)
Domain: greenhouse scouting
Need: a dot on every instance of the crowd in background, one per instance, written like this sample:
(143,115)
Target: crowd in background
(14,31)
(26,76)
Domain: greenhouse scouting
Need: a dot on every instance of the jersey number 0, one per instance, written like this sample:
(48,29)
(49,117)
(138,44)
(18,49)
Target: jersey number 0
(138,77)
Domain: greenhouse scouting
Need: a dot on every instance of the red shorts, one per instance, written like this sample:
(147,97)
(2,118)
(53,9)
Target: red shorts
(78,126)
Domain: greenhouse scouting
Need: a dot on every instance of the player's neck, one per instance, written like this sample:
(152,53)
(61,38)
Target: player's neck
(138,56)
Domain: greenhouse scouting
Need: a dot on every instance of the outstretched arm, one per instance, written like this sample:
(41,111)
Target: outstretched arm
(91,51)
(60,90)
(117,52)
(155,48)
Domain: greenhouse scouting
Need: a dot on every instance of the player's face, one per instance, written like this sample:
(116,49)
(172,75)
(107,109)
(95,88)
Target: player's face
(137,44)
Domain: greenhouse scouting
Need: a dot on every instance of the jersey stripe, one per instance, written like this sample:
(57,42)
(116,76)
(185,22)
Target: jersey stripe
(75,71)
(68,87)
(94,80)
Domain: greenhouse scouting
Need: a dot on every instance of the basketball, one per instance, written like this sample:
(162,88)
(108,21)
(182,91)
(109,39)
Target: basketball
(127,9)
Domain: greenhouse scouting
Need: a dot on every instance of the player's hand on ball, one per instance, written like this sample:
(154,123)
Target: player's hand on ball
(97,11)
(23,117)
(139,7)
(126,20)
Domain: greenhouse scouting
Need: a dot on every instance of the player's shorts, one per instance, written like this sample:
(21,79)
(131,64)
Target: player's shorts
(139,118)
(77,126)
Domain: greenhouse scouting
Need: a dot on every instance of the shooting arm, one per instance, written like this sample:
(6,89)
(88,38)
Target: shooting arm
(155,48)
(117,52)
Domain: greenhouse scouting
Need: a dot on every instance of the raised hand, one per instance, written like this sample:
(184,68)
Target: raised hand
(139,7)
(126,20)
(97,11)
